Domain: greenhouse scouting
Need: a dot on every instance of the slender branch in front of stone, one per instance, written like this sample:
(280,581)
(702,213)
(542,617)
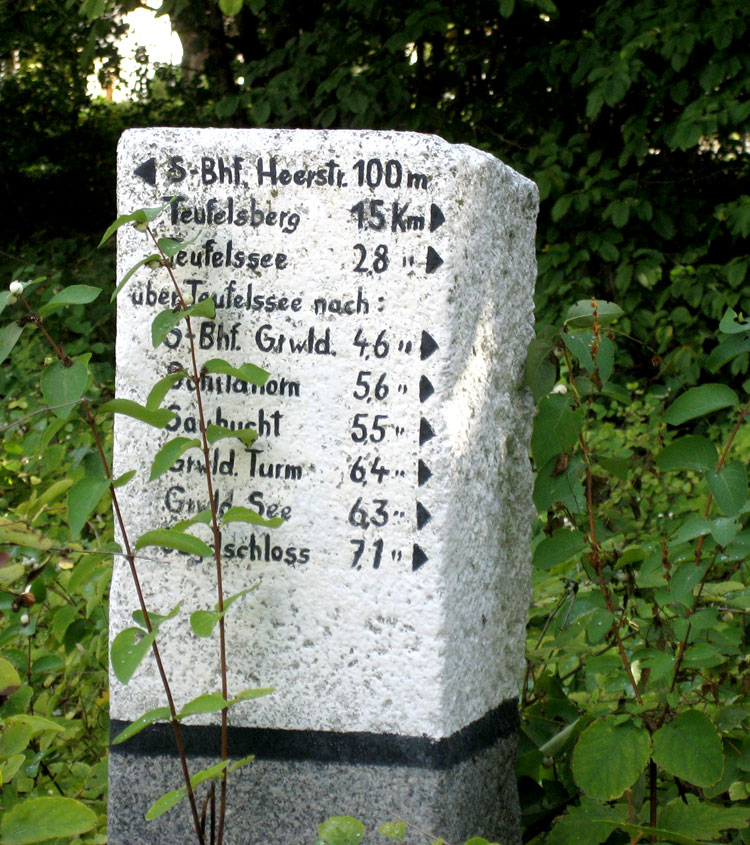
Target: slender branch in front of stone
(130,557)
(196,378)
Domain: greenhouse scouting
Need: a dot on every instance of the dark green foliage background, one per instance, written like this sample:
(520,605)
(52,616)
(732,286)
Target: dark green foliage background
(632,118)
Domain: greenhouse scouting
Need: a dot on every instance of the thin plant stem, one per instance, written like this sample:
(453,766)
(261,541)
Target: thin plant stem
(196,378)
(91,421)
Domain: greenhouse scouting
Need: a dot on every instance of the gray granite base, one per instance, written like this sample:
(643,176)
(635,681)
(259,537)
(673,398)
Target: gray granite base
(281,802)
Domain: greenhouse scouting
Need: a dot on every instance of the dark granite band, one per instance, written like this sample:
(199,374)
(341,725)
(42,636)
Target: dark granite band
(329,746)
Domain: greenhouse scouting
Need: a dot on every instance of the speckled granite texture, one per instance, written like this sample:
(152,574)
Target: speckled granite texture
(470,791)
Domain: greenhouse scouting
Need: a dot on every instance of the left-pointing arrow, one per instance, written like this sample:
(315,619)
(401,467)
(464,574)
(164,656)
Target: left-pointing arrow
(147,171)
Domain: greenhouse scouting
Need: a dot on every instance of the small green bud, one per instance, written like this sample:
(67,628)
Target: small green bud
(727,616)
(141,225)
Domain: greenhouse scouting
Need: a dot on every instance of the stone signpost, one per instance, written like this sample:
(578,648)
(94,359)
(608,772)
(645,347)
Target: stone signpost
(385,281)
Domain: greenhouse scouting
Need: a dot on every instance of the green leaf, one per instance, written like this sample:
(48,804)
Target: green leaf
(685,577)
(541,372)
(131,272)
(140,216)
(203,621)
(702,820)
(691,452)
(582,313)
(161,388)
(726,351)
(393,830)
(62,620)
(156,619)
(240,514)
(5,295)
(245,372)
(609,757)
(230,7)
(578,345)
(340,830)
(692,527)
(564,488)
(558,548)
(561,739)
(204,517)
(238,764)
(729,324)
(10,766)
(689,747)
(699,401)
(159,714)
(214,433)
(165,803)
(54,491)
(209,702)
(658,832)
(170,539)
(261,111)
(8,338)
(170,452)
(157,417)
(506,10)
(83,497)
(63,386)
(586,824)
(556,428)
(729,487)
(561,207)
(123,479)
(39,819)
(171,246)
(209,773)
(249,694)
(46,664)
(14,738)
(73,295)
(129,648)
(724,530)
(165,321)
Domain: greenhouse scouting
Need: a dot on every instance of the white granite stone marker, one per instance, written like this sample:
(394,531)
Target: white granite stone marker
(385,281)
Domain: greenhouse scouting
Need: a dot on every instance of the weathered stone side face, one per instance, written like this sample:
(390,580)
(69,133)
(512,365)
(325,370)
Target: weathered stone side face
(385,281)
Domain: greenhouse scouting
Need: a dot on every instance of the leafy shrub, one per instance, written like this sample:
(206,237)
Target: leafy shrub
(635,701)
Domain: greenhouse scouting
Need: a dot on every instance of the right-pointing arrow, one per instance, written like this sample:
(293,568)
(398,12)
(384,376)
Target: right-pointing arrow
(424,473)
(425,389)
(425,432)
(433,260)
(418,558)
(427,346)
(437,218)
(423,516)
